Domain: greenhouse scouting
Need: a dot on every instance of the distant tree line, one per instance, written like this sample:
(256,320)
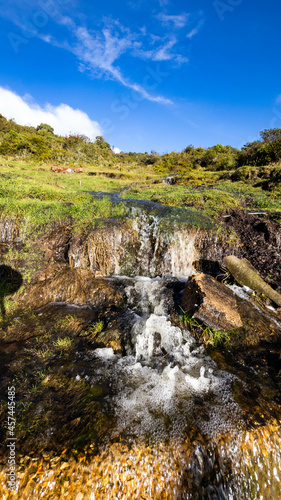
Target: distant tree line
(41,144)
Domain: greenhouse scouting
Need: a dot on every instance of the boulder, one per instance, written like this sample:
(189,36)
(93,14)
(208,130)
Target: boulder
(245,274)
(211,302)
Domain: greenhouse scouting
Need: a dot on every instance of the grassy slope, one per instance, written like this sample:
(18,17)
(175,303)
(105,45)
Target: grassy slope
(36,195)
(209,179)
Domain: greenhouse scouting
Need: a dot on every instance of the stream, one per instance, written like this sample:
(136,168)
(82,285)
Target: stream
(180,426)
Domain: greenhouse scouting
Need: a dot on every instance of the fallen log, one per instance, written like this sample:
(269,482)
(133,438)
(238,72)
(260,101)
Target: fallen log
(245,274)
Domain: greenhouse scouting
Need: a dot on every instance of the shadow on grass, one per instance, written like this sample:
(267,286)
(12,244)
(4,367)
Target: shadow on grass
(10,282)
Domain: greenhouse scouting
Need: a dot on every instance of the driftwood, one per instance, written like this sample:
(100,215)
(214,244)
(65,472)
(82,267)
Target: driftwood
(245,274)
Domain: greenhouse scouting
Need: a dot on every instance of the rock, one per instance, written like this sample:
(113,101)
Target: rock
(79,287)
(171,179)
(211,302)
(258,325)
(110,339)
(64,466)
(260,242)
(245,274)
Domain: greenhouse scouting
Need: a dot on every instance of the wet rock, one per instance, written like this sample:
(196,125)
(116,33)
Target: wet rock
(79,287)
(10,232)
(245,274)
(56,243)
(211,302)
(110,339)
(104,249)
(258,324)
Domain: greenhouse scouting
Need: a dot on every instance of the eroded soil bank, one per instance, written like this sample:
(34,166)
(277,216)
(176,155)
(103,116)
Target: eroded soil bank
(260,242)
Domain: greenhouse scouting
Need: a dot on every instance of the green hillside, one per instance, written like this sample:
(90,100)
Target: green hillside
(213,180)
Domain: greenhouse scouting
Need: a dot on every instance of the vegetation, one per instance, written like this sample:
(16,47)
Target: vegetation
(203,333)
(213,180)
(48,383)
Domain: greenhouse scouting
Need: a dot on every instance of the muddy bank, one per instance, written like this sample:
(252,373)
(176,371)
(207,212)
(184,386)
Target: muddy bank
(260,243)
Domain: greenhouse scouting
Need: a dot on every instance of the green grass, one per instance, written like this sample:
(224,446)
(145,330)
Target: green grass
(64,342)
(203,332)
(33,195)
(37,200)
(209,195)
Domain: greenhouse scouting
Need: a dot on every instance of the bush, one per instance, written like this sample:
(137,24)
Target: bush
(45,126)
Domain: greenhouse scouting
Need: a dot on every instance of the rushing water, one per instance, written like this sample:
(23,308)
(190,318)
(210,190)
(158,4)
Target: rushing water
(168,392)
(165,382)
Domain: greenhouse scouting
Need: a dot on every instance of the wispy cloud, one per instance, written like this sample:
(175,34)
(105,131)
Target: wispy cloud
(63,118)
(195,30)
(162,52)
(101,51)
(98,51)
(179,21)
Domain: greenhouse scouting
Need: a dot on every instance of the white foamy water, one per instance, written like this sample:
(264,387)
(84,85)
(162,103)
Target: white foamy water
(165,382)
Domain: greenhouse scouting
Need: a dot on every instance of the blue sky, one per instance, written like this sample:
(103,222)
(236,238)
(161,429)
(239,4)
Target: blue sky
(148,75)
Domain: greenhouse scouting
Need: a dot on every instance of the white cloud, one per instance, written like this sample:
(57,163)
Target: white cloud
(195,30)
(62,118)
(163,53)
(192,33)
(178,20)
(100,51)
(117,151)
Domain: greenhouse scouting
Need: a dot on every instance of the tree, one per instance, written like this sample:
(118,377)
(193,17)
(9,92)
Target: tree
(270,135)
(45,126)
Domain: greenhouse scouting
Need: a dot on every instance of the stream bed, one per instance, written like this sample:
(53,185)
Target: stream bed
(146,410)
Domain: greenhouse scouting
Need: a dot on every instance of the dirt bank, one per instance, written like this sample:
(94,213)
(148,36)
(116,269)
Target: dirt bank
(260,242)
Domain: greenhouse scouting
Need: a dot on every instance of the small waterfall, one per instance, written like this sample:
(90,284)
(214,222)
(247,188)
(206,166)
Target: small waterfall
(166,388)
(144,246)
